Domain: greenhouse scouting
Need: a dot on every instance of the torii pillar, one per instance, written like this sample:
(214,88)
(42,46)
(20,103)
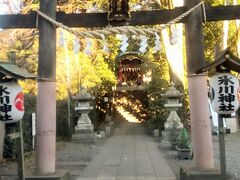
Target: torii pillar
(198,91)
(46,98)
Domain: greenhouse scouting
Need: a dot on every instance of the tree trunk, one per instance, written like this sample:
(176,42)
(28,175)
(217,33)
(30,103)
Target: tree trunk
(225,30)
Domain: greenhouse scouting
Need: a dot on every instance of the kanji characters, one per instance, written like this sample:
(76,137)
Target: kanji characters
(226,93)
(5,106)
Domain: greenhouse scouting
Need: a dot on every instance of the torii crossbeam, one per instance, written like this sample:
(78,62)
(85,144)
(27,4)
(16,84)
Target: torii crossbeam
(90,20)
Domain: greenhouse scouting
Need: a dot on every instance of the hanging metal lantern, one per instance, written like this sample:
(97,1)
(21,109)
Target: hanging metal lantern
(224,93)
(119,10)
(11,101)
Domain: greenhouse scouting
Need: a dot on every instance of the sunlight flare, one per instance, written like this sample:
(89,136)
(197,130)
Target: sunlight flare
(128,116)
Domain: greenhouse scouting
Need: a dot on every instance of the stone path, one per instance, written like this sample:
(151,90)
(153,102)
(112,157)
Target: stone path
(128,155)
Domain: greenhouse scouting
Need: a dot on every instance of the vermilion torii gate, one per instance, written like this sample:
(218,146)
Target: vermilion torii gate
(46,101)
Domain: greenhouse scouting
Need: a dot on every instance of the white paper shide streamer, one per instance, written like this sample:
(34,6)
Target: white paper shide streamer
(61,39)
(157,43)
(105,45)
(143,44)
(88,50)
(174,36)
(76,45)
(124,43)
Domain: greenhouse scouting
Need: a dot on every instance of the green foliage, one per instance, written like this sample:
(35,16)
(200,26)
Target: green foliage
(70,6)
(30,103)
(62,117)
(212,36)
(175,133)
(10,146)
(160,80)
(89,71)
(30,5)
(185,140)
(214,2)
(218,2)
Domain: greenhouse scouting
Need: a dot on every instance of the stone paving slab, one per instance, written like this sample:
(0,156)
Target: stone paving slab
(128,155)
(108,172)
(106,178)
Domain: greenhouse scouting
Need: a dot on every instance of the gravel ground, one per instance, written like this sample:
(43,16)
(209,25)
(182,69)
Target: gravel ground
(76,156)
(232,143)
(72,156)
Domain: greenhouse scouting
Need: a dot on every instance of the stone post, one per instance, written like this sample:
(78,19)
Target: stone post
(2,136)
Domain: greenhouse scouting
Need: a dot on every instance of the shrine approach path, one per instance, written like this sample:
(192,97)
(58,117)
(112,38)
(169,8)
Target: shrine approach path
(130,154)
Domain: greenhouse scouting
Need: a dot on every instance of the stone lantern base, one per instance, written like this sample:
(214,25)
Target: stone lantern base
(172,127)
(84,138)
(84,131)
(84,134)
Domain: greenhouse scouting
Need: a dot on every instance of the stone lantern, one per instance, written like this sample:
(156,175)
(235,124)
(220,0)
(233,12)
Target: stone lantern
(173,123)
(84,131)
